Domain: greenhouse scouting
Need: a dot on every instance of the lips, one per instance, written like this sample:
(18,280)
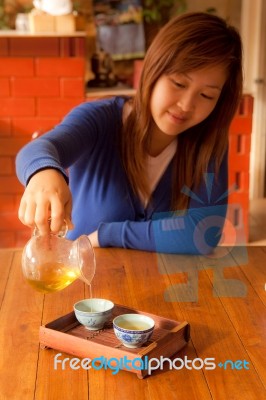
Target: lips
(177,117)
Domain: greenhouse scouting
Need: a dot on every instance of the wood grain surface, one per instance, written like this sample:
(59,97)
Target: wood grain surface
(223,298)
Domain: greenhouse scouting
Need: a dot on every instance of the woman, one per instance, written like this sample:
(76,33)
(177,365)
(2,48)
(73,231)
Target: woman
(149,172)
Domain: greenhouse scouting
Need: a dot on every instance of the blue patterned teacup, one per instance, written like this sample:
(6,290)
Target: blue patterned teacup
(93,313)
(133,330)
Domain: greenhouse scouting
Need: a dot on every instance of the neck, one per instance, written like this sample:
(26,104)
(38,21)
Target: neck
(159,141)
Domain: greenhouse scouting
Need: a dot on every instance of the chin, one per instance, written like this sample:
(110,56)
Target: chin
(172,132)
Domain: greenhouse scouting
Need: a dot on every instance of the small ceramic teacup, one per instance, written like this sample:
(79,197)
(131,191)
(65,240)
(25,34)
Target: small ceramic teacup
(93,313)
(133,330)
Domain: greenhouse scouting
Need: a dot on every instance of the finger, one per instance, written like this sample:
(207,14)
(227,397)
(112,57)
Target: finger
(68,210)
(28,216)
(42,216)
(57,214)
(21,211)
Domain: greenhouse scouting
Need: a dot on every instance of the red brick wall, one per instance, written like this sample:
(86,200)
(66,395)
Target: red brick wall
(41,79)
(239,159)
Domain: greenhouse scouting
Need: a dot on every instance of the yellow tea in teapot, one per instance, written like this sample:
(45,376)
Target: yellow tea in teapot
(50,262)
(53,276)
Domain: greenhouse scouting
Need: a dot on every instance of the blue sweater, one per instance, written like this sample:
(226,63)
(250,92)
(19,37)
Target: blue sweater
(86,144)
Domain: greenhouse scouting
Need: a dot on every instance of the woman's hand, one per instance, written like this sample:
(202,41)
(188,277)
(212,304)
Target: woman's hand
(47,196)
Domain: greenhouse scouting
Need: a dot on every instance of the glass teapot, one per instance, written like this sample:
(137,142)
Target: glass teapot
(51,262)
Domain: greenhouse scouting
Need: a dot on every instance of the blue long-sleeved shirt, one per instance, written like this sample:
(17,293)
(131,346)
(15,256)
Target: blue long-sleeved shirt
(86,144)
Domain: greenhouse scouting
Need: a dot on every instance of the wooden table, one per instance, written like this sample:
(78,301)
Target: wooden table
(223,299)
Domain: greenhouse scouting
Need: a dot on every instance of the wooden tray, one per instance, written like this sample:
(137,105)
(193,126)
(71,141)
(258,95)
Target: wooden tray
(68,335)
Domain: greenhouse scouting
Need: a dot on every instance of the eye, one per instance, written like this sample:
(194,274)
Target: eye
(205,96)
(178,84)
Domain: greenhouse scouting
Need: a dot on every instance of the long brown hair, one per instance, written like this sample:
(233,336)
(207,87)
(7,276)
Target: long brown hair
(187,42)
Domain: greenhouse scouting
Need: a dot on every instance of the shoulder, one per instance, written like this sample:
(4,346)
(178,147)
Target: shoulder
(108,107)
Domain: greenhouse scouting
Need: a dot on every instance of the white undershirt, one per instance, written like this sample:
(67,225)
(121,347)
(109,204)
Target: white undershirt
(156,167)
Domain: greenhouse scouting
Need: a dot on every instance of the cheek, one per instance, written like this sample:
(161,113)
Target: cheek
(154,102)
(159,101)
(160,94)
(205,110)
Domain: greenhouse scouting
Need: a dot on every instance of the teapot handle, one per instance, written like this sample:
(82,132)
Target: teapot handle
(62,233)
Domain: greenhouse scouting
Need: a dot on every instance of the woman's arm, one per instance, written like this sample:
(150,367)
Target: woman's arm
(197,232)
(42,167)
(63,145)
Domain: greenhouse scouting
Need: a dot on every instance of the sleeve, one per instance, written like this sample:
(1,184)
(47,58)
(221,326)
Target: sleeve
(79,132)
(197,232)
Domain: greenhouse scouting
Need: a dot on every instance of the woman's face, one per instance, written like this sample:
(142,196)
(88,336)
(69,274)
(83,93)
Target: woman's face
(180,101)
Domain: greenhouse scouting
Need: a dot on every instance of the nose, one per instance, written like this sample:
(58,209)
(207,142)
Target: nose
(186,102)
